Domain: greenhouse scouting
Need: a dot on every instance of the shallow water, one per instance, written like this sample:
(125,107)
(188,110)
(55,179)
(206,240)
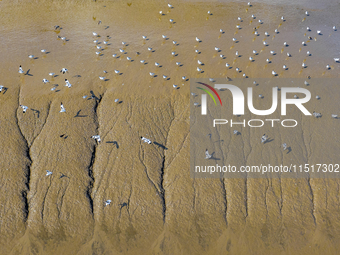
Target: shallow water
(156,207)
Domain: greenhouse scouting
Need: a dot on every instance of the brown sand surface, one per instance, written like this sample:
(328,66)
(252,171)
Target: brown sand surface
(157,208)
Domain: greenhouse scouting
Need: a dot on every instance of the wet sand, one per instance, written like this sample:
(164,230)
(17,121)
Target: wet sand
(156,208)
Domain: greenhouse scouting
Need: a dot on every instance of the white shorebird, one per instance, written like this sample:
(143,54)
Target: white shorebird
(303,44)
(266,33)
(97,138)
(234,39)
(175,86)
(43,51)
(285,44)
(164,36)
(94,34)
(227,65)
(328,67)
(335,116)
(265,43)
(317,114)
(102,78)
(62,108)
(173,53)
(184,77)
(199,62)
(236,132)
(107,202)
(149,49)
(282,18)
(272,52)
(121,50)
(123,43)
(306,83)
(31,56)
(98,52)
(164,76)
(174,42)
(145,140)
(288,54)
(308,53)
(178,63)
(157,64)
(142,61)
(207,155)
(67,83)
(318,32)
(251,59)
(24,108)
(239,18)
(152,74)
(238,26)
(20,70)
(317,97)
(114,55)
(48,173)
(274,73)
(236,53)
(260,96)
(254,51)
(284,67)
(117,71)
(253,16)
(334,28)
(116,100)
(337,60)
(256,33)
(303,64)
(95,41)
(51,74)
(307,13)
(144,37)
(198,69)
(276,31)
(284,146)
(221,30)
(171,20)
(63,70)
(264,138)
(105,42)
(217,49)
(45,81)
(237,69)
(268,60)
(128,59)
(197,39)
(197,51)
(98,47)
(1,87)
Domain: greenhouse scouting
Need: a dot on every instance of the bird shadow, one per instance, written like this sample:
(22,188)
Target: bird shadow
(114,142)
(202,72)
(268,141)
(64,136)
(93,95)
(168,78)
(48,52)
(78,76)
(78,115)
(222,32)
(37,112)
(28,73)
(180,65)
(107,27)
(289,150)
(63,175)
(36,58)
(155,76)
(4,89)
(57,90)
(120,74)
(106,79)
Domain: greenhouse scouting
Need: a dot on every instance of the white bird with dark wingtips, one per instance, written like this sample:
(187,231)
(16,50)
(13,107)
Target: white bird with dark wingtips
(62,108)
(145,140)
(207,155)
(48,173)
(67,83)
(107,202)
(97,138)
(264,138)
(63,70)
(24,108)
(20,70)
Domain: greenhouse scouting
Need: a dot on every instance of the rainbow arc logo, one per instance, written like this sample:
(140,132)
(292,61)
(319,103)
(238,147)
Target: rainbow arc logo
(209,93)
